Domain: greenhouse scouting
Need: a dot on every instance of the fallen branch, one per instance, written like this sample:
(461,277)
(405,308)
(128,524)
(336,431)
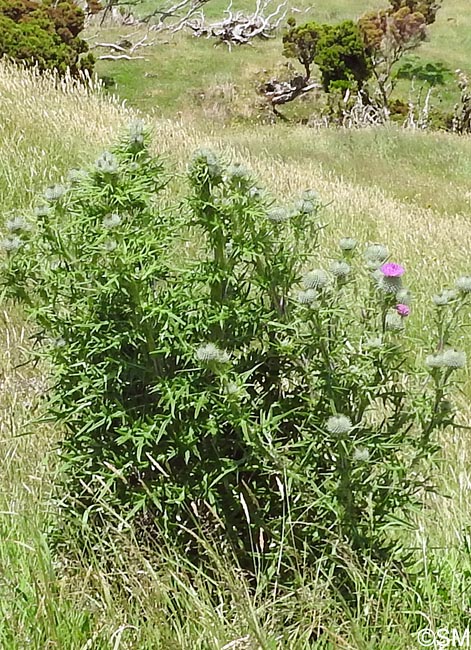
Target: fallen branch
(116,57)
(237,28)
(282,92)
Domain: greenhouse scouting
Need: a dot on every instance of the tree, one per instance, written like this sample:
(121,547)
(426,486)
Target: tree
(300,42)
(46,34)
(342,58)
(390,33)
(337,50)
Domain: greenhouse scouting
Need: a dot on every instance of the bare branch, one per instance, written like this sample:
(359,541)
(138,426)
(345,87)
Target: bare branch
(116,57)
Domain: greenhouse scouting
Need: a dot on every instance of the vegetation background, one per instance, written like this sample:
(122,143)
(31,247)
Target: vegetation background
(409,190)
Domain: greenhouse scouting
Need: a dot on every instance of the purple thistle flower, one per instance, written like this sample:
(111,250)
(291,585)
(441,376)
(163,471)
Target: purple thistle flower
(391,270)
(402,310)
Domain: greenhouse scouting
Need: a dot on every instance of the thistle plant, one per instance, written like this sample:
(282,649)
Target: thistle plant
(257,393)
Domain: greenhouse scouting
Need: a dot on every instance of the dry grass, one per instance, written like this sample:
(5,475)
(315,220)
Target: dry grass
(49,125)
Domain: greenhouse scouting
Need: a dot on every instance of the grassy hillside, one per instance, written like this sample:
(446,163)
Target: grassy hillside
(187,75)
(411,191)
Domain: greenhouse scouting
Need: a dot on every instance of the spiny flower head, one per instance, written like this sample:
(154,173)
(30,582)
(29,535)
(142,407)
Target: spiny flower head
(376,253)
(404,296)
(348,244)
(434,360)
(463,284)
(394,322)
(339,424)
(308,297)
(110,245)
(42,210)
(445,297)
(340,269)
(256,193)
(231,388)
(317,279)
(238,173)
(278,215)
(403,310)
(374,343)
(107,163)
(389,284)
(77,175)
(206,163)
(111,221)
(361,454)
(392,270)
(16,224)
(210,352)
(11,244)
(136,133)
(54,192)
(454,359)
(309,202)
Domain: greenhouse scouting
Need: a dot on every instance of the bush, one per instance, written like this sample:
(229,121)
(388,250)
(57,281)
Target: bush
(45,34)
(342,58)
(337,50)
(229,393)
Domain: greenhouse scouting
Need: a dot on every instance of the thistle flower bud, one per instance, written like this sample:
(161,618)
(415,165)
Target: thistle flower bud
(110,245)
(434,360)
(278,215)
(210,352)
(256,193)
(42,211)
(11,244)
(111,221)
(308,297)
(136,134)
(339,424)
(16,224)
(361,455)
(374,343)
(309,202)
(231,388)
(205,163)
(404,297)
(463,284)
(348,244)
(107,163)
(317,279)
(445,406)
(445,297)
(77,175)
(454,359)
(394,322)
(340,269)
(54,193)
(238,174)
(376,253)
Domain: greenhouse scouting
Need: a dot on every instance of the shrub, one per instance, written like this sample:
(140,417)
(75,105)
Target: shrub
(255,391)
(337,50)
(342,58)
(45,34)
(392,32)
